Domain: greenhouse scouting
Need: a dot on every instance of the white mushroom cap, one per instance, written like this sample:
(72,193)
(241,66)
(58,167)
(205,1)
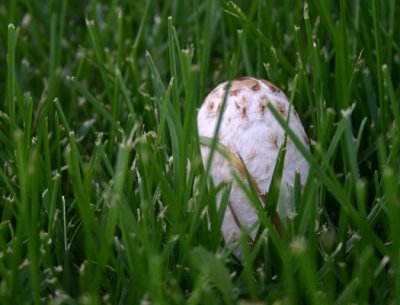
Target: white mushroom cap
(249,130)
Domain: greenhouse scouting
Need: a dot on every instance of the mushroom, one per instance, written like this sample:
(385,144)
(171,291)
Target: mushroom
(251,135)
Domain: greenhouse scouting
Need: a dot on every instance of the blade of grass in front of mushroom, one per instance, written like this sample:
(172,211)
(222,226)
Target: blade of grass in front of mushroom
(232,158)
(271,198)
(331,182)
(252,193)
(251,189)
(216,213)
(213,144)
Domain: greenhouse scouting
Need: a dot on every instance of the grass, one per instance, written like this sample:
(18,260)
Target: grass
(104,199)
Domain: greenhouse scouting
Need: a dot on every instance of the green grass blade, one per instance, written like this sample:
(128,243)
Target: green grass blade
(11,78)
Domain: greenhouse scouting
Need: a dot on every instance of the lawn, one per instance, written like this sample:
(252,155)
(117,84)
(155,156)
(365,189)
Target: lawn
(103,195)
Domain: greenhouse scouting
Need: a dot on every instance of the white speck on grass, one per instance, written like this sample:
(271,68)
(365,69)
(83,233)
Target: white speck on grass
(89,22)
(298,245)
(26,20)
(347,112)
(51,280)
(305,11)
(24,264)
(58,268)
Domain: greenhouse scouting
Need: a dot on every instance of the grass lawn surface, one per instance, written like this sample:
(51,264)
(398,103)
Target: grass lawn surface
(103,195)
